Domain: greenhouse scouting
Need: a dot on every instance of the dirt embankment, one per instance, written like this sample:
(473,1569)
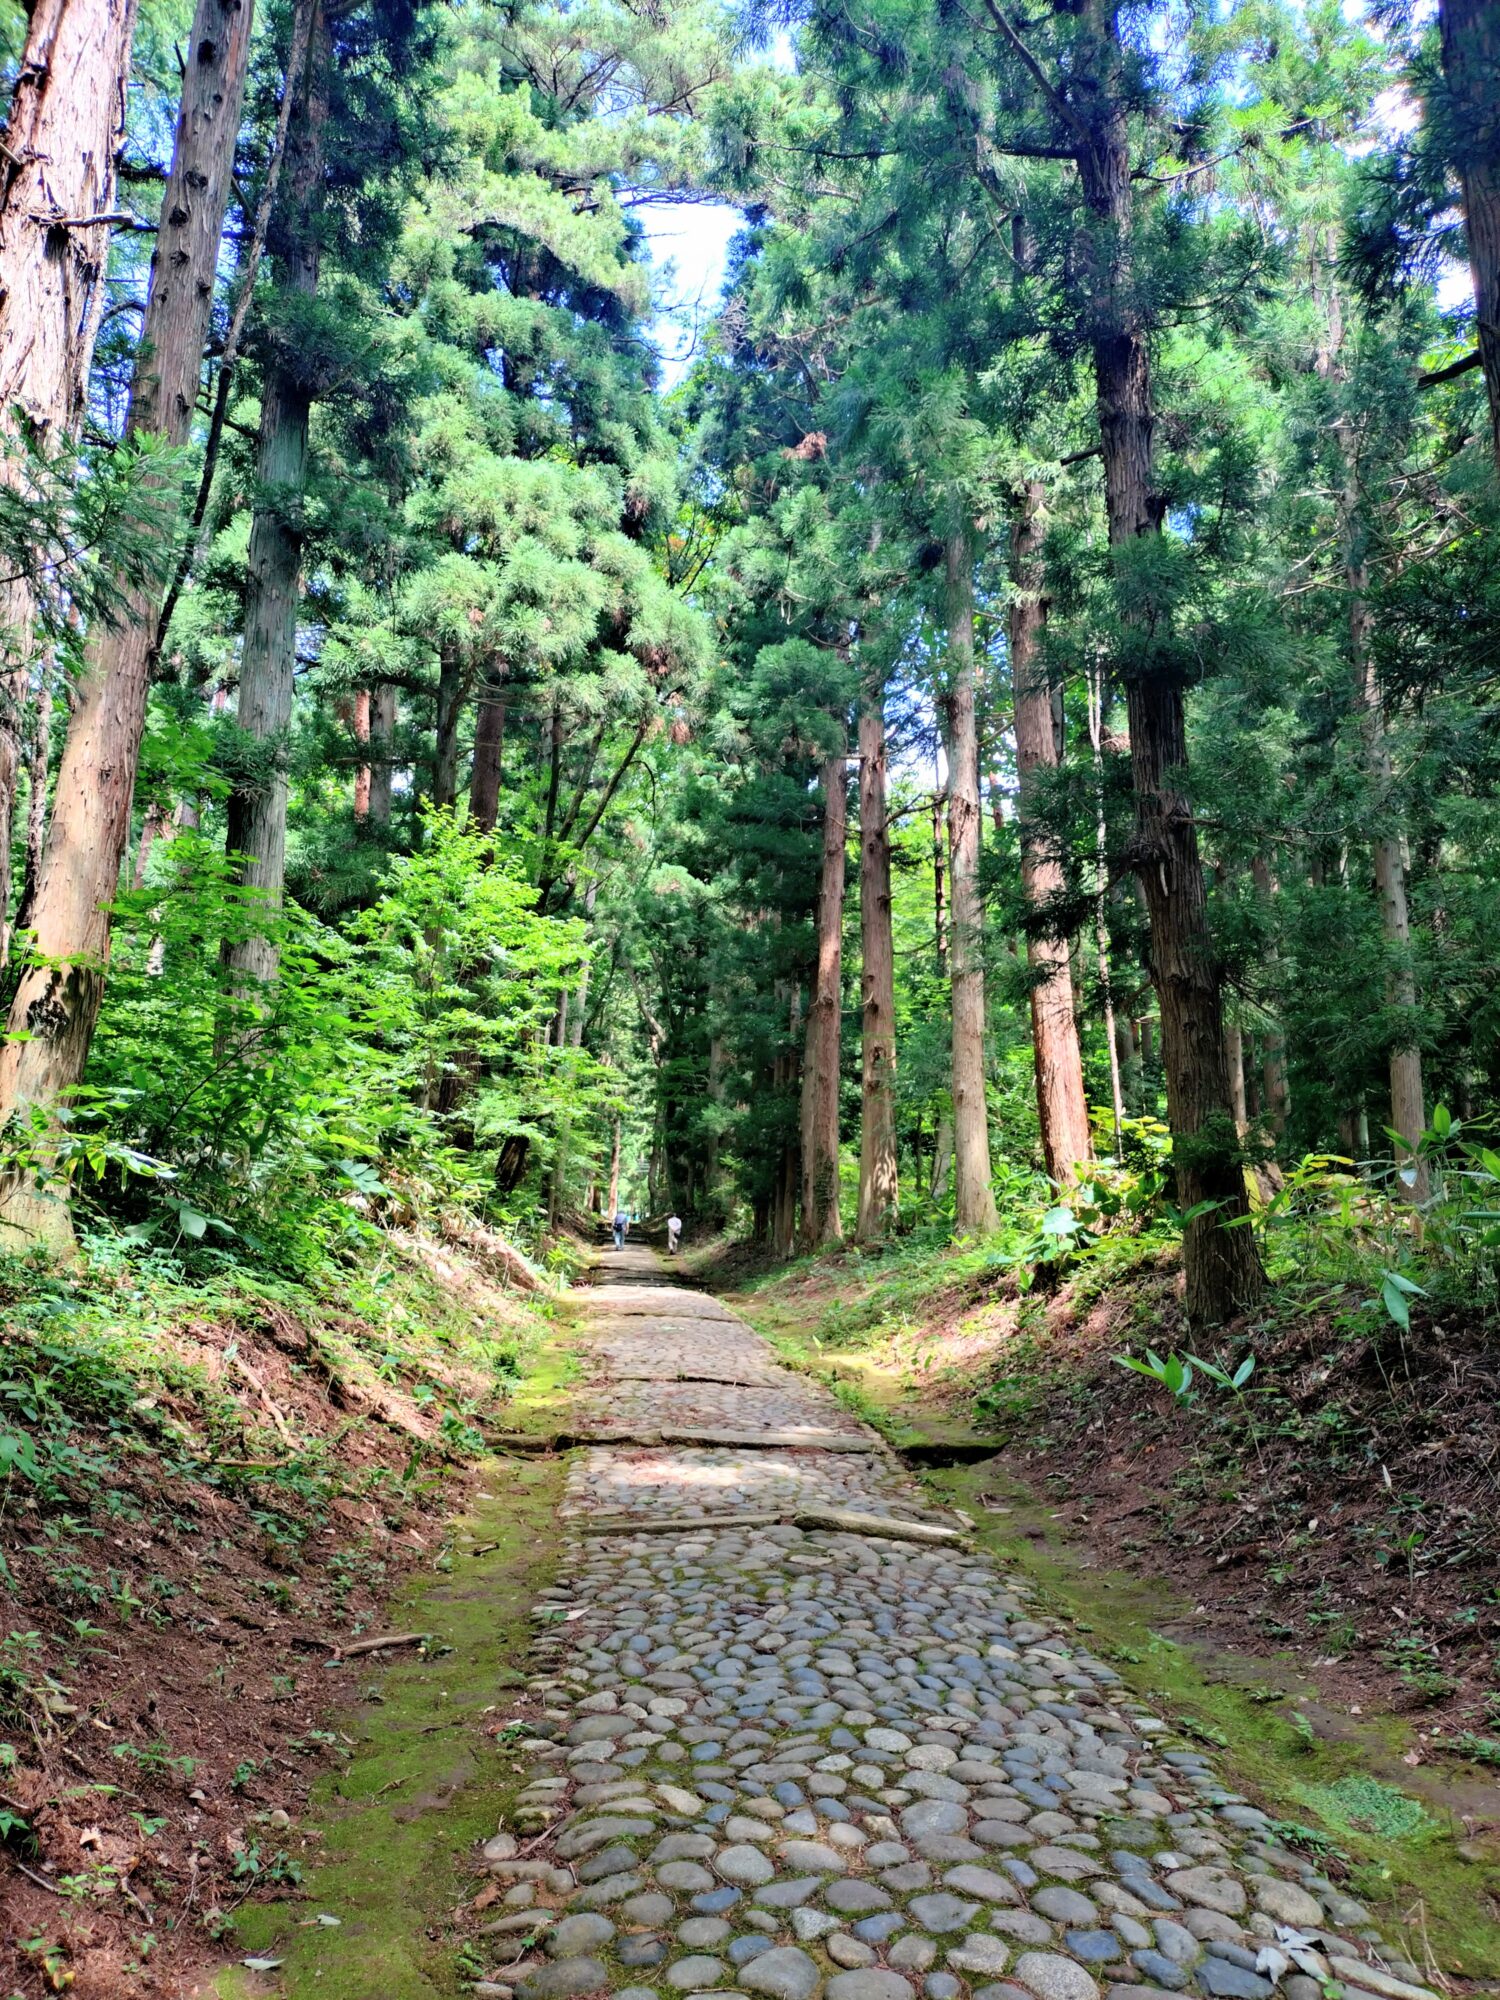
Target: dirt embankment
(190,1587)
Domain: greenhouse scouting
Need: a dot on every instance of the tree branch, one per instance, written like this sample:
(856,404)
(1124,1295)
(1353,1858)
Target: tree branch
(1430,378)
(1039,76)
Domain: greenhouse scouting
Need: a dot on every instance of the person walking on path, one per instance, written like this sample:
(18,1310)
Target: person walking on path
(674,1234)
(622,1228)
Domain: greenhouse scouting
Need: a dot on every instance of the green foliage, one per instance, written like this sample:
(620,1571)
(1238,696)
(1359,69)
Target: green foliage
(78,530)
(219,1122)
(1368,1805)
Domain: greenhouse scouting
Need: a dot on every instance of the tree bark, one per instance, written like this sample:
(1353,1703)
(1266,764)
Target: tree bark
(1408,1099)
(382,730)
(974,1208)
(489,752)
(614,1172)
(63,131)
(878,1183)
(57,182)
(821,1222)
(939,875)
(1388,848)
(1061,1102)
(787,1069)
(1234,1057)
(1096,687)
(1470,36)
(251,252)
(451,689)
(38,773)
(1221,1263)
(268,656)
(359,723)
(58,1004)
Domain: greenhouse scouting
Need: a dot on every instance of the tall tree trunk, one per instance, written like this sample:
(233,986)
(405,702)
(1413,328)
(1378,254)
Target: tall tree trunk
(878,1185)
(788,1070)
(1234,1056)
(821,1222)
(939,877)
(1408,1100)
(1388,848)
(614,1172)
(1112,1026)
(257,809)
(1062,1106)
(1221,1264)
(359,724)
(974,1201)
(448,715)
(489,752)
(1471,70)
(58,1004)
(57,187)
(382,730)
(251,252)
(38,773)
(62,133)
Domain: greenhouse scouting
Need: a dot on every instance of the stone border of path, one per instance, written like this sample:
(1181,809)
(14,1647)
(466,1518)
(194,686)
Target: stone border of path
(649,1435)
(886,1527)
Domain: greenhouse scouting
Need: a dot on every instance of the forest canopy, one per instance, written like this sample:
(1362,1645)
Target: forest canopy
(1002,742)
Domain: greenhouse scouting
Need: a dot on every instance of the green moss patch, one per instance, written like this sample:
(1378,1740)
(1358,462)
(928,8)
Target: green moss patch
(1362,1804)
(430,1773)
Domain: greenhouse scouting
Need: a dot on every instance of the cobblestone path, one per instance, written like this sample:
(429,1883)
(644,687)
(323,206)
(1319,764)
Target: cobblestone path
(794,1756)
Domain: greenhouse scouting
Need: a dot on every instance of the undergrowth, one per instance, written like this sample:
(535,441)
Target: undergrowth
(207,1470)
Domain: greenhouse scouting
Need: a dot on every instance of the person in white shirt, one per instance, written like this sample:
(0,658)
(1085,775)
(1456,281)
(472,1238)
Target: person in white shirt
(674,1234)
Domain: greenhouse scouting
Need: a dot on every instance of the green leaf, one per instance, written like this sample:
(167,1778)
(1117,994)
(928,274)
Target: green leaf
(1139,1367)
(1395,1303)
(1179,1375)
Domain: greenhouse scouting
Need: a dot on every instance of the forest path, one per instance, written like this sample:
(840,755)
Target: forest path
(801,1753)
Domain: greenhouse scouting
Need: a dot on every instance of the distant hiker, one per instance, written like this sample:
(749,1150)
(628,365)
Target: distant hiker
(622,1228)
(674,1234)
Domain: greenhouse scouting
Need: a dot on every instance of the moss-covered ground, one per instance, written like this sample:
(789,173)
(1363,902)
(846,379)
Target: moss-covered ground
(389,1841)
(428,1774)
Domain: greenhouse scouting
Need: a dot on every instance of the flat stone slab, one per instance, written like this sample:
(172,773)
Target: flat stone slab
(808,1440)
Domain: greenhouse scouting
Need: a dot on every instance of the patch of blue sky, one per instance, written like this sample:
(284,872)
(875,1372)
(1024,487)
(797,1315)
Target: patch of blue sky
(688,245)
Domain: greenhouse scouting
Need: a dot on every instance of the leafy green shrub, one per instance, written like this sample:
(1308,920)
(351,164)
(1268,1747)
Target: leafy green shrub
(388,1062)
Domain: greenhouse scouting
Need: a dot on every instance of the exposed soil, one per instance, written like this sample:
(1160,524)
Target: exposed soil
(170,1672)
(1349,1510)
